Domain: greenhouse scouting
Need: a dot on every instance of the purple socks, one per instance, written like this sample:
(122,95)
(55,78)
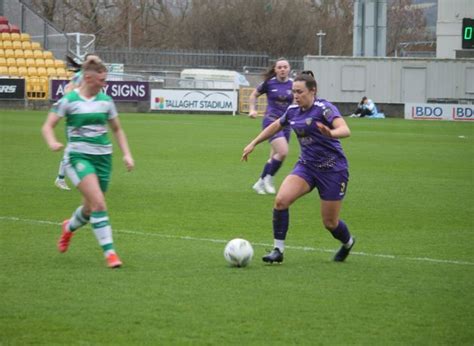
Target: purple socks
(271,168)
(341,232)
(281,220)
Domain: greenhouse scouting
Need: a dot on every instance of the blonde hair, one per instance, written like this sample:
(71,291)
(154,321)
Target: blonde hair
(94,65)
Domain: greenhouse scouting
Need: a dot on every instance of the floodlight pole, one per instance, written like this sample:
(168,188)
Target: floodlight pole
(320,35)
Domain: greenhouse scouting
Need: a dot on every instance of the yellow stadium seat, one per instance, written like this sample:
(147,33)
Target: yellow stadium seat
(35,45)
(42,72)
(23,71)
(3,62)
(26,44)
(59,63)
(38,54)
(13,71)
(17,44)
(20,62)
(51,72)
(32,72)
(25,37)
(48,54)
(7,45)
(28,53)
(37,85)
(2,53)
(6,36)
(9,53)
(3,71)
(30,62)
(40,63)
(19,53)
(1,44)
(61,72)
(49,63)
(11,62)
(29,84)
(14,36)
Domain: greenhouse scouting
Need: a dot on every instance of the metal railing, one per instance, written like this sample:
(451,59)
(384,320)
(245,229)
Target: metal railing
(22,14)
(179,59)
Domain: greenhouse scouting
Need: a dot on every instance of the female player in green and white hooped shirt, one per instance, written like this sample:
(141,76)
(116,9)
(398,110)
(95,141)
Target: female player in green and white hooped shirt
(75,82)
(88,111)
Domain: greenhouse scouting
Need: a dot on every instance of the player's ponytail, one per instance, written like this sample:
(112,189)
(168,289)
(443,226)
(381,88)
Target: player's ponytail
(308,78)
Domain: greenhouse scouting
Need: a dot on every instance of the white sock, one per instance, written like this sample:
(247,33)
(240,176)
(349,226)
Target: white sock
(77,219)
(280,244)
(349,243)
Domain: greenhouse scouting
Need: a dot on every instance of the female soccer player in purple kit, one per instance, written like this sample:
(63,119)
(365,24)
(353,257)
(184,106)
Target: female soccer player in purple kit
(322,164)
(277,86)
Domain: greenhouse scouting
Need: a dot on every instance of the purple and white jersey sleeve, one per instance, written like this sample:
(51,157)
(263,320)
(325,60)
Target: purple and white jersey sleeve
(262,88)
(329,112)
(284,119)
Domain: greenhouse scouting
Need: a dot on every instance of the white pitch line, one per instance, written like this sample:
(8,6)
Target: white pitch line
(221,241)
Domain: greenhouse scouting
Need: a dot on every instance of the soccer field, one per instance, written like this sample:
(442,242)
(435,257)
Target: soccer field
(409,279)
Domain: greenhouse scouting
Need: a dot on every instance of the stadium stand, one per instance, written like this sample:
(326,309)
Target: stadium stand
(20,62)
(20,57)
(7,43)
(25,37)
(26,45)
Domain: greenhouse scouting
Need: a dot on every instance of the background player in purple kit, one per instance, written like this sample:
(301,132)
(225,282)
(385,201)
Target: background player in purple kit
(277,86)
(322,164)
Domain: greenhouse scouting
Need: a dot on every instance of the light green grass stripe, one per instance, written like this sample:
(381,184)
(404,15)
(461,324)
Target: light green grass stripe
(222,241)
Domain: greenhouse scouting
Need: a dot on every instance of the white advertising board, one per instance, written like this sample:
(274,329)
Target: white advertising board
(193,100)
(438,111)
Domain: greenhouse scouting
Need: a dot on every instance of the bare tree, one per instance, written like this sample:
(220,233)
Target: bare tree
(406,23)
(275,27)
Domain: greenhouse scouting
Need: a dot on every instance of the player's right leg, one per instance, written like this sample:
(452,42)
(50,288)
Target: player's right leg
(99,219)
(292,188)
(93,187)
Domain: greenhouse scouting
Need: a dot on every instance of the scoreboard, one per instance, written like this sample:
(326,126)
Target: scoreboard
(467,33)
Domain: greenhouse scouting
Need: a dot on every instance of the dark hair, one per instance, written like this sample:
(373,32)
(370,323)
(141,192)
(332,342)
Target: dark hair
(75,66)
(270,73)
(308,72)
(308,79)
(72,64)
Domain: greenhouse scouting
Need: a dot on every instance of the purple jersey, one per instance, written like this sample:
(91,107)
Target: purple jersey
(279,96)
(317,151)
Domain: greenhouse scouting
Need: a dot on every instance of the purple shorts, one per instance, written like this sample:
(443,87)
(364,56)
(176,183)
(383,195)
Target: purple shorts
(331,186)
(286,132)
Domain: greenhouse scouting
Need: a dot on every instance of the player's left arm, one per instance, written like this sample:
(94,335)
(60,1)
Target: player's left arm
(339,128)
(122,142)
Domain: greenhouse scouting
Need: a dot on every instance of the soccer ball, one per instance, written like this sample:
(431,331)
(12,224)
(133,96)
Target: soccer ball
(238,252)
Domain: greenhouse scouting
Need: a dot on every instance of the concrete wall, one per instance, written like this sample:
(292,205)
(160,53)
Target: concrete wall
(393,80)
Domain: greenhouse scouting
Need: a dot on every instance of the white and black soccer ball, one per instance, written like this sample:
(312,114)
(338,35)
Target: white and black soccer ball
(238,252)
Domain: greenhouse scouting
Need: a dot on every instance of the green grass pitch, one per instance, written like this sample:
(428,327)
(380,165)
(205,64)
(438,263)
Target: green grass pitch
(410,203)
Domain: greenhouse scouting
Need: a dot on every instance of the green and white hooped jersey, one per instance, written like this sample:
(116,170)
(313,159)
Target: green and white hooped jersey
(86,122)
